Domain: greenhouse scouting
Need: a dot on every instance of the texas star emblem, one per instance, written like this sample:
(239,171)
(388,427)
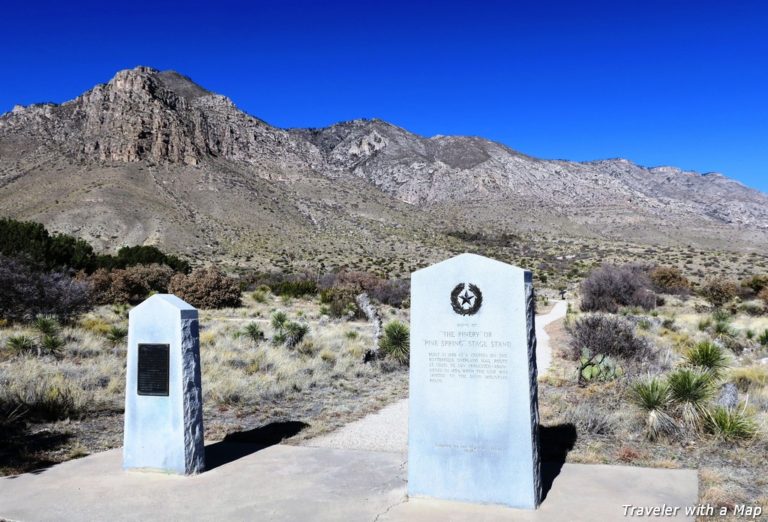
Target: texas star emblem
(466,299)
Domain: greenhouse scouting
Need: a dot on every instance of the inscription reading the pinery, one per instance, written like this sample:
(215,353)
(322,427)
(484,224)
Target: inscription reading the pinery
(463,354)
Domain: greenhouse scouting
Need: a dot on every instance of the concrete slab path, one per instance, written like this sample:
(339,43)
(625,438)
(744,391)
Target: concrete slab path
(290,483)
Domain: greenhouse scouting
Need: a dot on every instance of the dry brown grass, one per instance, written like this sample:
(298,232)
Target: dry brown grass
(246,384)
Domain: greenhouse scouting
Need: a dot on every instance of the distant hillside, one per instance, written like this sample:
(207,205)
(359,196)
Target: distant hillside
(152,158)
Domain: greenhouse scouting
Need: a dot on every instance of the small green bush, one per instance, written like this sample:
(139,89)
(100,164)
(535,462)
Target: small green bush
(254,332)
(341,302)
(395,342)
(294,333)
(704,323)
(730,424)
(691,389)
(709,356)
(20,344)
(653,396)
(47,324)
(51,345)
(117,334)
(763,338)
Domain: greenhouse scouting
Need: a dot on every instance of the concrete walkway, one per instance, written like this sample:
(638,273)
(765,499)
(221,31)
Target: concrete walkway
(387,430)
(291,483)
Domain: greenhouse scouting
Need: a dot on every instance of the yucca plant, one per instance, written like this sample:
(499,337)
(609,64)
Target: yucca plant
(723,328)
(396,342)
(47,324)
(117,334)
(19,344)
(653,397)
(254,332)
(721,316)
(709,356)
(294,333)
(691,389)
(50,345)
(730,424)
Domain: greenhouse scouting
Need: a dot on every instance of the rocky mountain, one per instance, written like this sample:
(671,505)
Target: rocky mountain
(152,157)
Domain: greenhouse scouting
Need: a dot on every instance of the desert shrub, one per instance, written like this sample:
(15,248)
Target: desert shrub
(145,255)
(260,296)
(294,333)
(254,332)
(45,399)
(27,292)
(691,389)
(718,292)
(130,285)
(51,345)
(654,398)
(749,378)
(295,288)
(590,418)
(117,334)
(20,344)
(32,241)
(756,283)
(392,292)
(607,335)
(763,338)
(669,280)
(55,251)
(730,424)
(610,287)
(46,324)
(704,323)
(341,302)
(395,342)
(709,356)
(206,288)
(752,308)
(763,294)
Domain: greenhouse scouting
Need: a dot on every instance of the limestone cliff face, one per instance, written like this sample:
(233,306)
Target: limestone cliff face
(163,117)
(212,171)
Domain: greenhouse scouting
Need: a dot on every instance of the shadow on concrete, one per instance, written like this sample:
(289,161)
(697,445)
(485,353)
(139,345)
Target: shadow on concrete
(554,443)
(243,443)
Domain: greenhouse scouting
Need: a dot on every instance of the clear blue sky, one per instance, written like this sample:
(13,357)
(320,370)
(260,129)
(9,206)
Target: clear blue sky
(657,82)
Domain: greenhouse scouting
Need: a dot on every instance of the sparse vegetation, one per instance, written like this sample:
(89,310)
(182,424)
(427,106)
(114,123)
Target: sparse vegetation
(607,335)
(206,288)
(610,287)
(395,342)
(718,291)
(653,396)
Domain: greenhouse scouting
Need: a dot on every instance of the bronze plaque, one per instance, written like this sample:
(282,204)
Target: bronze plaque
(154,365)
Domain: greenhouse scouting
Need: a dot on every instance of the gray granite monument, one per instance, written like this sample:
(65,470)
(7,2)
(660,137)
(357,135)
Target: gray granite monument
(473,426)
(163,394)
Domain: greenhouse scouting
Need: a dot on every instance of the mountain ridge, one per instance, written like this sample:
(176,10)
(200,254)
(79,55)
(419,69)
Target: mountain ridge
(152,157)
